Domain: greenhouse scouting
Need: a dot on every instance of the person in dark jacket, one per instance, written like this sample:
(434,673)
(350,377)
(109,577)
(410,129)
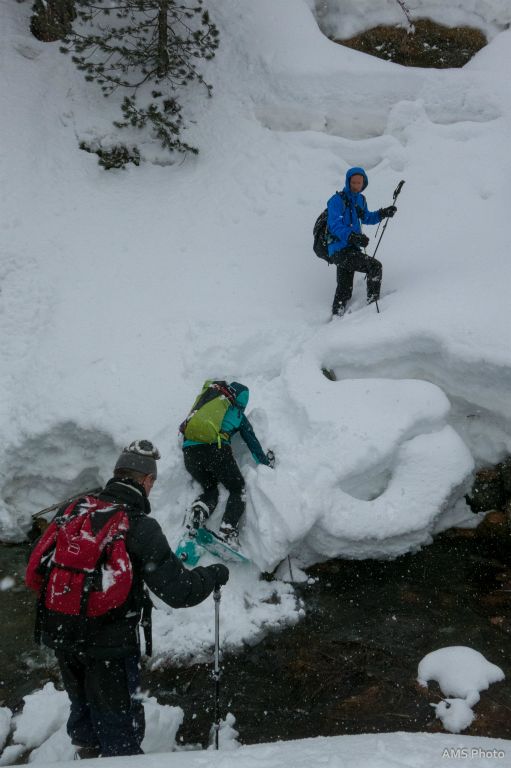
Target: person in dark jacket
(347,210)
(211,464)
(102,674)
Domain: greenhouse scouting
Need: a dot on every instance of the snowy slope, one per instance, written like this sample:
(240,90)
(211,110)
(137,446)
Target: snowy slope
(122,291)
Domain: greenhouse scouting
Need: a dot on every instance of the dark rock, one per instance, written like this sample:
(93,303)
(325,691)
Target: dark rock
(505,474)
(487,490)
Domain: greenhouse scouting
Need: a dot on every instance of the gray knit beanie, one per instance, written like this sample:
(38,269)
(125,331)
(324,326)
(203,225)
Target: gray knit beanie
(141,455)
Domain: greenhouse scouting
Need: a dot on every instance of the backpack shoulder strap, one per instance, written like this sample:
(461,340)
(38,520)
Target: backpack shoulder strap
(225,390)
(210,392)
(330,237)
(66,511)
(358,210)
(361,211)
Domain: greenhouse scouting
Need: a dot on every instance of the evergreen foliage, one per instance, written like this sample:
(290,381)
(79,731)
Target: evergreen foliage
(150,48)
(116,157)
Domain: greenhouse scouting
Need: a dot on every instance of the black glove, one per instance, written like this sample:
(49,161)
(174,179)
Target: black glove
(220,574)
(358,239)
(387,213)
(270,458)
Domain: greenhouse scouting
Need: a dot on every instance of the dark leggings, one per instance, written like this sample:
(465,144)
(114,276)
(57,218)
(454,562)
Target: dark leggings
(210,465)
(349,261)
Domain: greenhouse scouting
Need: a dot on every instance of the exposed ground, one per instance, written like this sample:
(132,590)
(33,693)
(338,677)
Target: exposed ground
(429,45)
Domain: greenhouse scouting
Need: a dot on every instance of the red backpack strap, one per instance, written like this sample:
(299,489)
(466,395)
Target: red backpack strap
(225,390)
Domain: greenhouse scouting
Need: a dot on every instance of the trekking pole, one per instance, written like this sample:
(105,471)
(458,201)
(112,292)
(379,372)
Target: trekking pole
(216,670)
(394,198)
(54,507)
(375,301)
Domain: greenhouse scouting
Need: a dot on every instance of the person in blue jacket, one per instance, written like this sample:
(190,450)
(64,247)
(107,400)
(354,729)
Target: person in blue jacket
(211,464)
(347,211)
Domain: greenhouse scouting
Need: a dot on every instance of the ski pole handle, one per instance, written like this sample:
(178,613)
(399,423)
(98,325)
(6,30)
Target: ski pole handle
(216,597)
(398,189)
(216,669)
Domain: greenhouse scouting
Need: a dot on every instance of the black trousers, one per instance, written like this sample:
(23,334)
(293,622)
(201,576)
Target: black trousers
(349,261)
(106,711)
(210,465)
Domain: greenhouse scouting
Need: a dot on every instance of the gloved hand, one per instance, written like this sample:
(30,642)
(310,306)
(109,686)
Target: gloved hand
(358,239)
(387,213)
(220,574)
(270,456)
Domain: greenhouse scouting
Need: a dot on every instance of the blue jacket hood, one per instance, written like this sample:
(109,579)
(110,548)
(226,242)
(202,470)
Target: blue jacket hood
(241,393)
(353,172)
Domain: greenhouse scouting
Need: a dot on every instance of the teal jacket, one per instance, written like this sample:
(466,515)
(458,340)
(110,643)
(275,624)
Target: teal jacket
(235,421)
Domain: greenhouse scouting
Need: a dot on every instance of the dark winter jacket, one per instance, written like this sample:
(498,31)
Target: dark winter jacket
(345,215)
(235,421)
(154,564)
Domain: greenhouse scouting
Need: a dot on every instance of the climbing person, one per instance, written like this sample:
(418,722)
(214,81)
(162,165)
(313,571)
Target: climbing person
(89,568)
(218,413)
(347,210)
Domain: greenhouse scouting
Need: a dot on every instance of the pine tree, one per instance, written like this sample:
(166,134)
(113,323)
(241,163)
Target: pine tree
(150,49)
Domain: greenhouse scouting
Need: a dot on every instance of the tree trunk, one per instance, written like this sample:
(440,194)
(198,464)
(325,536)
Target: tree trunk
(163,35)
(51,19)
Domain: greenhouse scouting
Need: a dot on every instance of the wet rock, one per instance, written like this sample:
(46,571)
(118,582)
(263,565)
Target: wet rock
(487,490)
(505,473)
(491,712)
(494,526)
(502,622)
(329,373)
(494,600)
(407,596)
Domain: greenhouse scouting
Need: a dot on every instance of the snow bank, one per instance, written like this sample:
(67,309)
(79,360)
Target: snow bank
(5,725)
(385,750)
(123,291)
(41,727)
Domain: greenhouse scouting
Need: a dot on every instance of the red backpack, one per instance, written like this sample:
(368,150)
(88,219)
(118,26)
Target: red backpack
(79,573)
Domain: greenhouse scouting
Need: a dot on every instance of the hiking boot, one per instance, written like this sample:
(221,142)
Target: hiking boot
(339,312)
(86,753)
(230,535)
(199,513)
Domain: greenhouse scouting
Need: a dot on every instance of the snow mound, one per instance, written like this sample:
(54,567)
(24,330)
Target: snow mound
(462,673)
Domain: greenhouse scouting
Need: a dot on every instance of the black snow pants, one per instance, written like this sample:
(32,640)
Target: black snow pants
(210,465)
(350,260)
(106,711)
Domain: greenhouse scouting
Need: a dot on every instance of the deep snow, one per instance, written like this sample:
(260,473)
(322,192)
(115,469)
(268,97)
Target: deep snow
(122,291)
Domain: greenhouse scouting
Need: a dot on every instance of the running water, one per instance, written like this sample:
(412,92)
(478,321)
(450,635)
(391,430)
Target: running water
(349,667)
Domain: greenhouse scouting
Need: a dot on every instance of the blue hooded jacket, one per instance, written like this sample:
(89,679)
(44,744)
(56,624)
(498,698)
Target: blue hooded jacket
(344,219)
(235,421)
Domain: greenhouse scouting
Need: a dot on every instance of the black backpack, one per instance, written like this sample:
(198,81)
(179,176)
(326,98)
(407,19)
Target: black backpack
(322,237)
